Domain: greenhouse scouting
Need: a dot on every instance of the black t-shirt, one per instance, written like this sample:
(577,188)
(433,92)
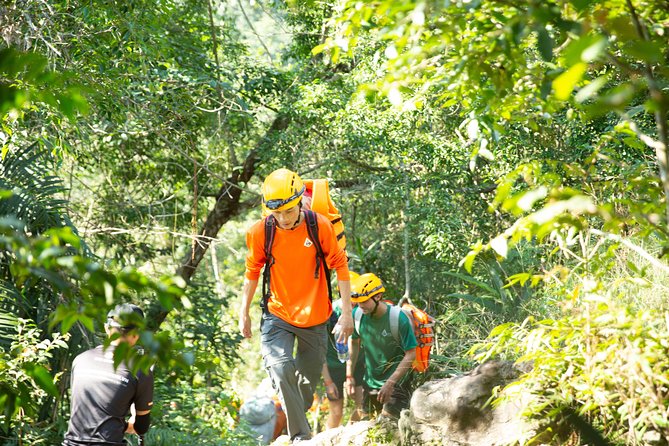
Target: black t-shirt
(101,398)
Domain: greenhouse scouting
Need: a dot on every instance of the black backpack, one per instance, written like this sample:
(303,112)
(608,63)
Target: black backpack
(312,229)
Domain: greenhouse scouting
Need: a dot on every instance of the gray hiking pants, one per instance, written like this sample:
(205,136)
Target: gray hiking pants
(294,378)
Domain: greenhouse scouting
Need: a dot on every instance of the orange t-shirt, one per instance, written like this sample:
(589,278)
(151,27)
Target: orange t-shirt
(296,296)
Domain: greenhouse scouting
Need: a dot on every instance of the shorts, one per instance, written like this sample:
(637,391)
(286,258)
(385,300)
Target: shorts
(400,400)
(338,375)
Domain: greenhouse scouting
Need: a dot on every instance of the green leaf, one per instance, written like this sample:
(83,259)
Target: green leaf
(581,5)
(500,246)
(487,302)
(524,201)
(634,143)
(591,89)
(468,261)
(320,48)
(565,83)
(472,281)
(585,49)
(545,44)
(619,96)
(647,51)
(68,321)
(501,328)
(42,378)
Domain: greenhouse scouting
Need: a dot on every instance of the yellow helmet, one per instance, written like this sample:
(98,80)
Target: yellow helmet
(365,287)
(282,189)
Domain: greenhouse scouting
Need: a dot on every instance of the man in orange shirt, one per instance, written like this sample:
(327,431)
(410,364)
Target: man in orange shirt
(296,304)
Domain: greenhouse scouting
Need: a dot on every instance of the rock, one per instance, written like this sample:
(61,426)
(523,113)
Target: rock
(454,411)
(446,412)
(354,434)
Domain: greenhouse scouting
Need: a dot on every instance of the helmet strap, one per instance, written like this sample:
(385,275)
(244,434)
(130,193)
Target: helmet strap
(376,305)
(299,216)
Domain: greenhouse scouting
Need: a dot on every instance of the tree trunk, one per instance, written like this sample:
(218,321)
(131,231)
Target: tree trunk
(228,206)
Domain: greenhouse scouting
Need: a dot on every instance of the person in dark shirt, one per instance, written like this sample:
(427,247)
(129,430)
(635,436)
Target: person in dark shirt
(103,396)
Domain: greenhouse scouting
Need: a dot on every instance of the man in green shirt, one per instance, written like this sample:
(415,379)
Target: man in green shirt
(388,358)
(334,374)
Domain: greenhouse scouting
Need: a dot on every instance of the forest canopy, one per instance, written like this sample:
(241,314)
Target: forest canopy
(502,164)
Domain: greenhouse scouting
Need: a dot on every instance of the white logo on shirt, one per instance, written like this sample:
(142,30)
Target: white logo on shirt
(307,243)
(384,333)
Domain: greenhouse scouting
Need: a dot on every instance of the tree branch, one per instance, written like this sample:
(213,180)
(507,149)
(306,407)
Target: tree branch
(657,96)
(227,206)
(248,22)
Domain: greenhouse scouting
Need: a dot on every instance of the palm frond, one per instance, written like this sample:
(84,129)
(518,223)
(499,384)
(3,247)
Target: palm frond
(8,324)
(34,199)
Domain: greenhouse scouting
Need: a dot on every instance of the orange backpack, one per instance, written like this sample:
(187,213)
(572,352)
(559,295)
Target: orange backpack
(318,192)
(423,328)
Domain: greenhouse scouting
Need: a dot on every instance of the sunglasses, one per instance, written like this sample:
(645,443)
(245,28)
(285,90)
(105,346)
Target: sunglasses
(276,203)
(367,293)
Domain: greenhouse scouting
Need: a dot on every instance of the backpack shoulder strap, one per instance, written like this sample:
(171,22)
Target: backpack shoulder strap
(312,229)
(395,321)
(270,232)
(357,317)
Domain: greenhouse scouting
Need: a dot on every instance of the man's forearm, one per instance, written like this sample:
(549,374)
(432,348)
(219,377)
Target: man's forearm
(404,366)
(248,290)
(345,293)
(325,371)
(355,351)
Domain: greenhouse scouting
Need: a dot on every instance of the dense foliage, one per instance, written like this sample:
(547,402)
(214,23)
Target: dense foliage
(503,164)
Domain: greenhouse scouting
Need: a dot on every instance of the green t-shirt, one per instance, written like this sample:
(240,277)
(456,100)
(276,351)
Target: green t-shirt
(382,352)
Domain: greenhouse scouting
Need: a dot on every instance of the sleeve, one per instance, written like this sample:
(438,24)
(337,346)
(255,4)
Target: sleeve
(144,393)
(255,258)
(74,364)
(355,334)
(407,337)
(335,256)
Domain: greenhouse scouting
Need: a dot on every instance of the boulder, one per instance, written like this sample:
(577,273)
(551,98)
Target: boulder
(449,412)
(361,433)
(456,411)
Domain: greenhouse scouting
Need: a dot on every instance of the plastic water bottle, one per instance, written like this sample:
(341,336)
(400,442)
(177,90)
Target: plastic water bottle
(342,351)
(341,347)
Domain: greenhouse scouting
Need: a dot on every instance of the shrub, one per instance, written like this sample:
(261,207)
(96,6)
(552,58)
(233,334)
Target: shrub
(601,359)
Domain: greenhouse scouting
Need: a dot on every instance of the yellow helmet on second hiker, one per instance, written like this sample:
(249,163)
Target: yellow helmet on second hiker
(282,189)
(366,286)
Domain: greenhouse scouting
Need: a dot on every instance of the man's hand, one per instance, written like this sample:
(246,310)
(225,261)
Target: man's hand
(346,319)
(345,323)
(386,392)
(350,385)
(331,390)
(245,325)
(131,421)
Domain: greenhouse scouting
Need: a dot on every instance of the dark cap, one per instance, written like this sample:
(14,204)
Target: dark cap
(124,316)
